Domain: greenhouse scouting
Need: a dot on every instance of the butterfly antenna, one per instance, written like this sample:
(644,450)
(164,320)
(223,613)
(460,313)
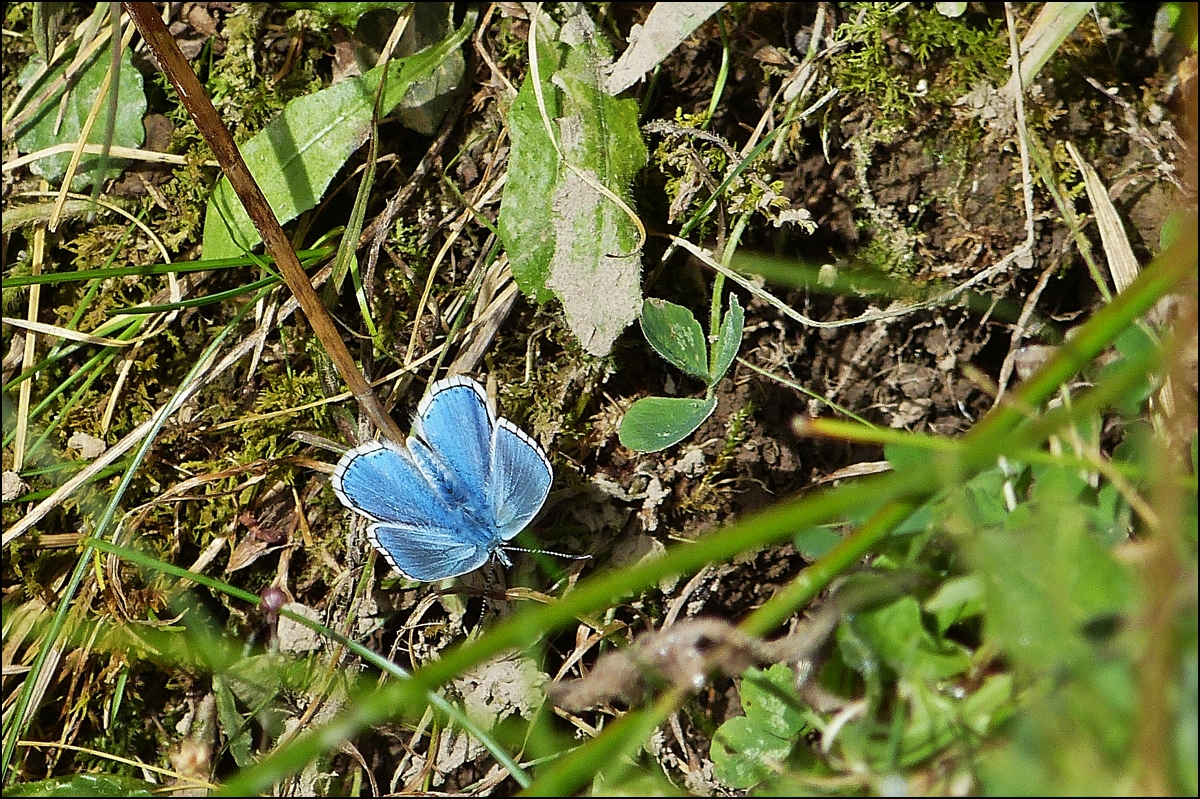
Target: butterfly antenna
(547,552)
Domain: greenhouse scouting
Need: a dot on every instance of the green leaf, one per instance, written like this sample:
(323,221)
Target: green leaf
(729,340)
(1072,733)
(898,637)
(958,598)
(655,423)
(47,17)
(983,498)
(1045,571)
(989,703)
(813,542)
(1173,227)
(525,226)
(39,132)
(565,238)
(239,738)
(769,700)
(936,718)
(84,785)
(295,157)
(903,457)
(675,335)
(744,753)
(1133,344)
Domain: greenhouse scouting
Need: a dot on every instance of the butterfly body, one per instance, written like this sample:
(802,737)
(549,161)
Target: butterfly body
(447,499)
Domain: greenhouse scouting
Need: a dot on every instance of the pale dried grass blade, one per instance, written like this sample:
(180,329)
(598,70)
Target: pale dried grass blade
(1122,264)
(62,332)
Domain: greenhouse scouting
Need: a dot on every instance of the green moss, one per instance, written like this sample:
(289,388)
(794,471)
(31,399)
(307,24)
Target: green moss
(900,59)
(187,193)
(261,440)
(287,391)
(737,432)
(251,84)
(891,245)
(512,42)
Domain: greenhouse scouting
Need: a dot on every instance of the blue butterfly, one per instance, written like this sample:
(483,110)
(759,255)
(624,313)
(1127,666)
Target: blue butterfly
(447,499)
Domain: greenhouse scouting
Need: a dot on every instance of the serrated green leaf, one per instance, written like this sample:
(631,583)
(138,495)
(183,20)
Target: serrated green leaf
(295,157)
(584,250)
(729,340)
(655,423)
(39,132)
(744,753)
(675,334)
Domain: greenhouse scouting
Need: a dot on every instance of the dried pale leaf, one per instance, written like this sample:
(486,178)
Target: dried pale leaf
(665,29)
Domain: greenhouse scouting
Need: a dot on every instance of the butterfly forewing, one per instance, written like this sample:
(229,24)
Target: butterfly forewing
(519,480)
(454,421)
(384,483)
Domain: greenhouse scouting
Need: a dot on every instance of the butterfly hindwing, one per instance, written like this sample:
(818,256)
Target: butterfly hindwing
(426,553)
